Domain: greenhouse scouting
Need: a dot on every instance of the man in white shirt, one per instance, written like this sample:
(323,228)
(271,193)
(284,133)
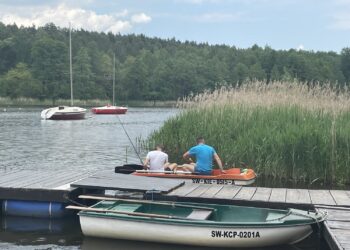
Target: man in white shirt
(156,159)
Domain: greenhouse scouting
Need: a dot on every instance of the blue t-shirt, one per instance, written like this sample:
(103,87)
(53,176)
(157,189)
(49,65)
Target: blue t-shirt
(204,157)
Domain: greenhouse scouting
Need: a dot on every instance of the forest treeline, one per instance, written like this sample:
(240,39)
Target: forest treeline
(34,62)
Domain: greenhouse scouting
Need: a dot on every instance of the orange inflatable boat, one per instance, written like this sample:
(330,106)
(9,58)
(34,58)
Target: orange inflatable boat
(232,176)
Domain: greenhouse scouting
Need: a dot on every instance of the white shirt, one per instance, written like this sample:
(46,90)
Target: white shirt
(157,159)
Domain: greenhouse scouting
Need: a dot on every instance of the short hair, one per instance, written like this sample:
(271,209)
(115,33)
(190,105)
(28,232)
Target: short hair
(200,139)
(160,146)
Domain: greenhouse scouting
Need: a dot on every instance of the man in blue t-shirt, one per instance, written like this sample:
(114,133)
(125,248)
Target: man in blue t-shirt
(204,155)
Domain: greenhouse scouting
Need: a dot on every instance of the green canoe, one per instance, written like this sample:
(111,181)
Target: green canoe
(197,224)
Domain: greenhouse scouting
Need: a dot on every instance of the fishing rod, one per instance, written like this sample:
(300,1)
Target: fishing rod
(130,140)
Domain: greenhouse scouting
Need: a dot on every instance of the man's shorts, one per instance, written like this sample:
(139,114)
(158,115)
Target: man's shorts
(202,172)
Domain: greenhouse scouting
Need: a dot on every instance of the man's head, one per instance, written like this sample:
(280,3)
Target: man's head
(160,147)
(200,140)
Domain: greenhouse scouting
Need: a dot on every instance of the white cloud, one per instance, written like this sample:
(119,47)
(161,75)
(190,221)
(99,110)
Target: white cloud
(62,14)
(140,18)
(300,47)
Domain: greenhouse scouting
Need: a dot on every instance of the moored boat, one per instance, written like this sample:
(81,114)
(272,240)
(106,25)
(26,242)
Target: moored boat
(63,113)
(197,224)
(231,176)
(109,110)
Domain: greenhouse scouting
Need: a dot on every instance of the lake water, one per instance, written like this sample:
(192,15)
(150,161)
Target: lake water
(99,142)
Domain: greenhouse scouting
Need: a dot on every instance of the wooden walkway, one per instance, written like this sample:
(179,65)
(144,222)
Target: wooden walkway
(335,202)
(62,186)
(108,180)
(35,185)
(279,196)
(337,227)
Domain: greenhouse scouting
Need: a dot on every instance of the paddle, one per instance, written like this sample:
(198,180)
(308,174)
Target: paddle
(128,213)
(173,204)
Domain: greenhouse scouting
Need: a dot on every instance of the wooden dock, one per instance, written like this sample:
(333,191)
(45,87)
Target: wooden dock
(335,202)
(337,227)
(107,180)
(35,185)
(64,186)
(260,195)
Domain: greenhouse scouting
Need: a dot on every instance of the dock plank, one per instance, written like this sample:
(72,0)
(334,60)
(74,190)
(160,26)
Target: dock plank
(16,176)
(262,194)
(33,179)
(336,215)
(199,190)
(14,185)
(60,179)
(321,197)
(227,192)
(5,173)
(341,197)
(112,181)
(246,193)
(59,182)
(298,196)
(183,190)
(278,195)
(212,191)
(339,225)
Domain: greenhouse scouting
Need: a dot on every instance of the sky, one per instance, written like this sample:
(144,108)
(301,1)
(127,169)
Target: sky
(315,25)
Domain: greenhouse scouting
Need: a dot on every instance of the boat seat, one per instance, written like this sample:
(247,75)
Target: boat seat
(199,214)
(126,207)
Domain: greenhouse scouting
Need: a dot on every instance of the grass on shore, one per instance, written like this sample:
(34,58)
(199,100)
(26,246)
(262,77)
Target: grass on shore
(284,130)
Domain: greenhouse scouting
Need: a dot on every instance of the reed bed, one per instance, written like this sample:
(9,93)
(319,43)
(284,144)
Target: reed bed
(284,130)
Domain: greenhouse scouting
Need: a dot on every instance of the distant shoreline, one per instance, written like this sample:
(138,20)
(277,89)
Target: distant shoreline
(6,102)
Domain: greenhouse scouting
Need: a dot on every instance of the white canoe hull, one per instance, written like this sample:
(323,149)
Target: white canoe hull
(193,235)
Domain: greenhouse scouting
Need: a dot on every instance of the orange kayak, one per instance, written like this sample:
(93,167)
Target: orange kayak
(232,176)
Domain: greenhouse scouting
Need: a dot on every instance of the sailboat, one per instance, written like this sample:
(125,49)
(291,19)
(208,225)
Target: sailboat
(65,112)
(110,109)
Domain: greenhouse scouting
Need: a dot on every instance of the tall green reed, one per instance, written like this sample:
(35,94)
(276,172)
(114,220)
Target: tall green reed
(283,130)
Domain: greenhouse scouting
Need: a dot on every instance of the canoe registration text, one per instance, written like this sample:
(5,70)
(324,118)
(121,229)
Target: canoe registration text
(234,234)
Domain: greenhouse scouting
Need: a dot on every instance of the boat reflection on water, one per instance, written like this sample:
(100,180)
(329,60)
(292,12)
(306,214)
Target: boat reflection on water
(28,232)
(92,243)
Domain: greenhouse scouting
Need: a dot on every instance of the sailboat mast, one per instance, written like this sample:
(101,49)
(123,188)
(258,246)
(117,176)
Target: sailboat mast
(70,66)
(113,78)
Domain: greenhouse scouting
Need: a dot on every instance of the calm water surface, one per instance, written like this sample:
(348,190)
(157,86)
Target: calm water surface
(99,142)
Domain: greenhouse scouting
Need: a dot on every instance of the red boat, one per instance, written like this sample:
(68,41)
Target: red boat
(109,110)
(232,176)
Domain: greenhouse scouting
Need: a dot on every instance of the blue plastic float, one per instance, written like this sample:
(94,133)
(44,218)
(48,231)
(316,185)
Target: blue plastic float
(36,209)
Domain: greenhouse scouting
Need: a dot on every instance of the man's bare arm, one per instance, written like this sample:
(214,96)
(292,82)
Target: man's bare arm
(186,155)
(218,161)
(145,163)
